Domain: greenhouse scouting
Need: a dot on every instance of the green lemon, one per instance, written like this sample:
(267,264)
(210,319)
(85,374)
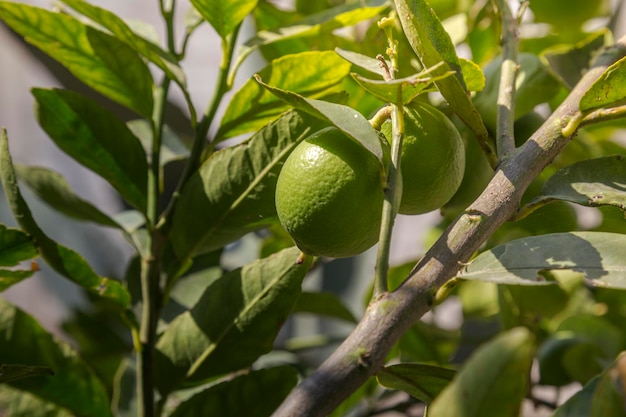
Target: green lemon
(433,159)
(329,195)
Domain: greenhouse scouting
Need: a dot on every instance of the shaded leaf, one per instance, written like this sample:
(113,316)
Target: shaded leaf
(493,382)
(423,382)
(345,118)
(101,61)
(97,139)
(63,260)
(323,304)
(15,246)
(599,255)
(224,16)
(363,61)
(73,386)
(16,403)
(433,45)
(53,189)
(608,90)
(9,373)
(246,395)
(251,304)
(314,74)
(233,191)
(172,148)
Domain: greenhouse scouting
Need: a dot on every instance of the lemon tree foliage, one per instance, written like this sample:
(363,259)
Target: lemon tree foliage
(352,113)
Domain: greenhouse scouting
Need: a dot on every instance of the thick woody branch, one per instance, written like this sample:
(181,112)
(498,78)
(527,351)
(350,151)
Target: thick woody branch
(391,314)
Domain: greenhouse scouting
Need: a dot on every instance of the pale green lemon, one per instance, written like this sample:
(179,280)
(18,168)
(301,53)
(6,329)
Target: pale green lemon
(433,159)
(329,196)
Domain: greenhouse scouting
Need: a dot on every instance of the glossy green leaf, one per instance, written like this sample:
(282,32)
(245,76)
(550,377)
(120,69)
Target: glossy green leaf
(493,382)
(313,74)
(323,304)
(592,182)
(224,16)
(608,90)
(73,386)
(424,382)
(233,323)
(53,189)
(433,45)
(345,118)
(599,255)
(97,139)
(63,260)
(16,403)
(227,398)
(123,32)
(9,373)
(233,191)
(101,61)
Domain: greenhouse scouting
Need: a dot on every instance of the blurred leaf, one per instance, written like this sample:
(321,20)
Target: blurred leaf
(123,32)
(472,75)
(424,382)
(233,191)
(63,260)
(598,255)
(358,400)
(348,120)
(224,16)
(9,277)
(172,148)
(15,246)
(97,139)
(245,395)
(608,90)
(433,45)
(313,74)
(592,182)
(54,190)
(493,382)
(73,386)
(101,61)
(251,303)
(16,403)
(10,373)
(323,304)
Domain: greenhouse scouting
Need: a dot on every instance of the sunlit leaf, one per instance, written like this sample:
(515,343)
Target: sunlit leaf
(224,16)
(368,63)
(423,382)
(608,90)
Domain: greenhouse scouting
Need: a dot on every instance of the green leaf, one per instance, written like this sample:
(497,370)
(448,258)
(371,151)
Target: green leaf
(363,61)
(608,90)
(101,61)
(255,394)
(232,193)
(592,182)
(9,373)
(423,382)
(433,45)
(73,386)
(314,74)
(472,75)
(234,322)
(10,277)
(493,382)
(598,255)
(16,403)
(123,32)
(15,246)
(97,139)
(323,304)
(63,260)
(172,148)
(53,189)
(345,118)
(224,16)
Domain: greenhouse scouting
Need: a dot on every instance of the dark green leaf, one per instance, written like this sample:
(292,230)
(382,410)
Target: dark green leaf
(592,182)
(10,277)
(234,322)
(10,373)
(233,191)
(599,255)
(16,403)
(52,188)
(323,304)
(423,382)
(15,246)
(433,45)
(123,32)
(97,139)
(224,16)
(63,260)
(255,394)
(101,61)
(608,90)
(73,386)
(493,382)
(348,120)
(313,74)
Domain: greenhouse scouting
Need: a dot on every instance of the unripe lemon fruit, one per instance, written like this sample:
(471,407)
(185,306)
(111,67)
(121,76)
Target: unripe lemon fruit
(329,195)
(433,159)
